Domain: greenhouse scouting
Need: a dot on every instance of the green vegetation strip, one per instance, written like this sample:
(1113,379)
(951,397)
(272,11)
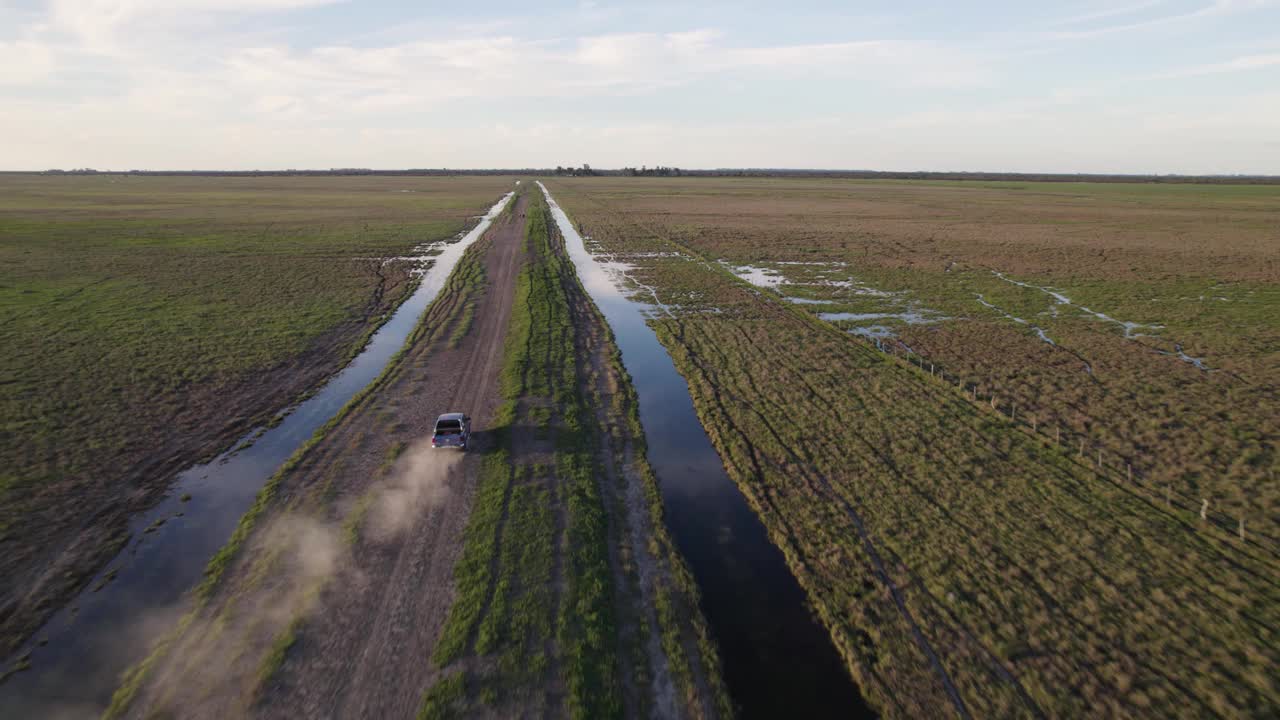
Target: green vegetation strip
(506,602)
(677,597)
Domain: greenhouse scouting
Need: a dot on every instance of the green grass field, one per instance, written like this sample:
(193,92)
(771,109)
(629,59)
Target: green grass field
(959,557)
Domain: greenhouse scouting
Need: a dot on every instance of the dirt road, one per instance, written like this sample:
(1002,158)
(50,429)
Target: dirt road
(370,658)
(352,571)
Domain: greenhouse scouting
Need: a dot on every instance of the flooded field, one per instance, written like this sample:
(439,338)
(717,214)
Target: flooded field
(77,657)
(978,429)
(824,287)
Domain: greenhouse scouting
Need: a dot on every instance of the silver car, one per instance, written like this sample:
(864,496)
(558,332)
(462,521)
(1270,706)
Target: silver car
(453,430)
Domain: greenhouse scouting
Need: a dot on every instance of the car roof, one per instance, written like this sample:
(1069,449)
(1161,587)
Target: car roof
(451,416)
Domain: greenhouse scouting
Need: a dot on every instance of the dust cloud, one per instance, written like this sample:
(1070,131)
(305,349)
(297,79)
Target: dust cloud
(418,482)
(280,580)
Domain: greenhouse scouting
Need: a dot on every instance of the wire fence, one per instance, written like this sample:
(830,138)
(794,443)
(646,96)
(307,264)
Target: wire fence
(1087,452)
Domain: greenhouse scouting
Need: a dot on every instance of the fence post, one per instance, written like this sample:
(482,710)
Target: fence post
(1129,467)
(1168,497)
(1099,458)
(1242,528)
(1204,509)
(1081,453)
(1057,435)
(993,402)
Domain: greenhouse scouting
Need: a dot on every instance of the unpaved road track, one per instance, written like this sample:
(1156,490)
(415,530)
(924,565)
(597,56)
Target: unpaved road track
(370,656)
(363,637)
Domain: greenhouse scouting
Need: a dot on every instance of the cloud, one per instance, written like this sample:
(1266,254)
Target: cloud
(25,63)
(1216,8)
(1109,12)
(113,26)
(427,74)
(1240,64)
(897,62)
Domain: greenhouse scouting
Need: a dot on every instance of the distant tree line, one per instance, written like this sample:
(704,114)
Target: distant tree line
(659,171)
(583,171)
(662,171)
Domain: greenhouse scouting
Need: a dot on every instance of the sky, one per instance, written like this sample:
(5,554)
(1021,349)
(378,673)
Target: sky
(1127,86)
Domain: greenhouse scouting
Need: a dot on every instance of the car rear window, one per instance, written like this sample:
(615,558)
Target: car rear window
(449,427)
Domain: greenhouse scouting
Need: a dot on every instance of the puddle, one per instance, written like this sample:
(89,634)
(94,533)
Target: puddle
(910,317)
(1184,357)
(1039,330)
(617,269)
(778,661)
(655,254)
(857,288)
(879,332)
(875,332)
(615,275)
(758,276)
(773,279)
(768,278)
(139,594)
(1058,297)
(1131,329)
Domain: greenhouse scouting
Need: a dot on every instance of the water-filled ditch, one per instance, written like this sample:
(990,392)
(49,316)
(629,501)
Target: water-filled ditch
(778,660)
